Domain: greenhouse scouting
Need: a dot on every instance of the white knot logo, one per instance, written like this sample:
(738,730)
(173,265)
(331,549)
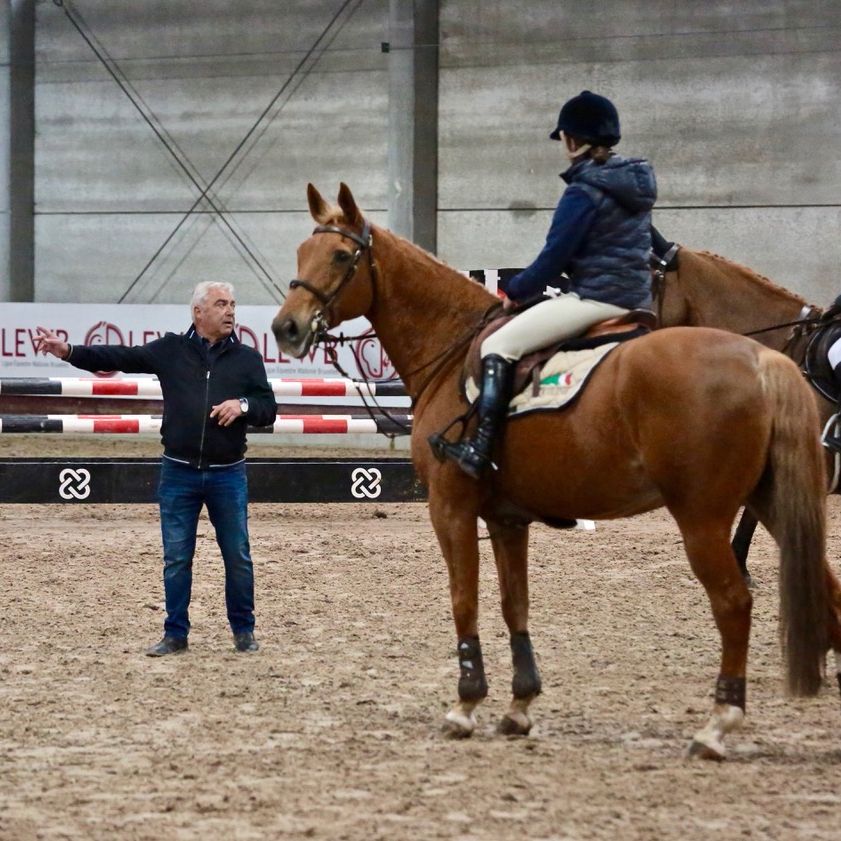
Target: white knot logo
(366,483)
(74,484)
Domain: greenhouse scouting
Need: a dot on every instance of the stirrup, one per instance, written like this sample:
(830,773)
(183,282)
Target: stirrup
(437,443)
(832,443)
(830,438)
(462,453)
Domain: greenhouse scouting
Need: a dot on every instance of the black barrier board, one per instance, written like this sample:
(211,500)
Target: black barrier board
(100,481)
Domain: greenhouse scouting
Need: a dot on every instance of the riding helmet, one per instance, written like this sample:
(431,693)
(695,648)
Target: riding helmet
(589,117)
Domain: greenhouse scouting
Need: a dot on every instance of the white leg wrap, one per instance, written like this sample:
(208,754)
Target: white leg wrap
(517,720)
(461,719)
(709,742)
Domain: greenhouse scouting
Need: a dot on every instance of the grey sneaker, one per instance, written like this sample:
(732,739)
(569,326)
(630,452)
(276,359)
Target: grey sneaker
(244,641)
(168,645)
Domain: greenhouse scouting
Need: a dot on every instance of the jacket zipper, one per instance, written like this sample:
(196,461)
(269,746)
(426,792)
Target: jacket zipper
(204,415)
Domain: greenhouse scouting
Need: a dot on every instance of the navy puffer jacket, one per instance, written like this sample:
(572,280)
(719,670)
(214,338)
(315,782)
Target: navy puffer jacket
(600,235)
(613,264)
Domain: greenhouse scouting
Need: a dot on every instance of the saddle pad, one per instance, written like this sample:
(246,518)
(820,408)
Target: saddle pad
(561,379)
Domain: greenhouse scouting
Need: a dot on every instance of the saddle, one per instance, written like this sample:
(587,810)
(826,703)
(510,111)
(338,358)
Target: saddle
(628,326)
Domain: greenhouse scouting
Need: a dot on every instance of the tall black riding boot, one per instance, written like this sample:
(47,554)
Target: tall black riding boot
(474,456)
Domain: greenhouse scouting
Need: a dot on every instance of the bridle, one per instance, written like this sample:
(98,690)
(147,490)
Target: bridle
(364,242)
(319,322)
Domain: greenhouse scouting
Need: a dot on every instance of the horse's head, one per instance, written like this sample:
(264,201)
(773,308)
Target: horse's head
(335,274)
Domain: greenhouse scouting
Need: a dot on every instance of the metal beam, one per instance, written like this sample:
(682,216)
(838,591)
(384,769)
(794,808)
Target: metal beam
(413,121)
(21,168)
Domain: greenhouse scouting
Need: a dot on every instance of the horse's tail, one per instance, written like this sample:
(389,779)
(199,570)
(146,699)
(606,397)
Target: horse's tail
(796,517)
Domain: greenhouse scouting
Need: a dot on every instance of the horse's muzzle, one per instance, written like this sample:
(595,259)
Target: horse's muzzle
(293,337)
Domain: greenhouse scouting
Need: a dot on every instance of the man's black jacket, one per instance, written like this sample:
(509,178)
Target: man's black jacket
(193,380)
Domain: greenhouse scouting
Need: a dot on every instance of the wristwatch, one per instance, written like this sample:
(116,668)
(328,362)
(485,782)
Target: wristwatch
(243,404)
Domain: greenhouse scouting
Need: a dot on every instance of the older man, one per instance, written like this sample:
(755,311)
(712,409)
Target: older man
(212,386)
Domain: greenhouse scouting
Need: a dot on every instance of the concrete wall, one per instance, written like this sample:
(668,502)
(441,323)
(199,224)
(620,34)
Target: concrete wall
(737,105)
(108,194)
(5,143)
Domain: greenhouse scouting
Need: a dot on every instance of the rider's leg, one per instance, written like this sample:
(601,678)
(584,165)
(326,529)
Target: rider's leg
(474,456)
(541,325)
(546,323)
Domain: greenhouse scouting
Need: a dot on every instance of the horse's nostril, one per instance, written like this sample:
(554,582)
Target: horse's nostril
(290,329)
(286,330)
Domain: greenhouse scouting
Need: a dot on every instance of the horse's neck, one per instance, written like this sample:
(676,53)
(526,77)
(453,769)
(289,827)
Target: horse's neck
(423,309)
(712,292)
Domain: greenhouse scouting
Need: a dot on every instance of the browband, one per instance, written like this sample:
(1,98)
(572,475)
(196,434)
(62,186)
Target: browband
(363,241)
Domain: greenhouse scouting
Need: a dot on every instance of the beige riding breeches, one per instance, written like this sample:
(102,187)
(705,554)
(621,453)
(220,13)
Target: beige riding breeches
(546,323)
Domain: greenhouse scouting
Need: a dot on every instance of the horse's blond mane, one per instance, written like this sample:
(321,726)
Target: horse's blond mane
(748,273)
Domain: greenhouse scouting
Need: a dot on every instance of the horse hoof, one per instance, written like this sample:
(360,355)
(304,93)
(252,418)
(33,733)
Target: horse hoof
(458,726)
(713,750)
(514,725)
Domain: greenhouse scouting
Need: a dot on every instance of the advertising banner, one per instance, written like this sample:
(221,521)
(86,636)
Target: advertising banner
(138,324)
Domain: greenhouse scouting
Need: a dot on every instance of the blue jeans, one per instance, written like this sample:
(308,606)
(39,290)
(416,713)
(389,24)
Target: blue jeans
(181,493)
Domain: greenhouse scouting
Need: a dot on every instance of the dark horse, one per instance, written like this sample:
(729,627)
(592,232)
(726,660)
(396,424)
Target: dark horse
(700,421)
(706,290)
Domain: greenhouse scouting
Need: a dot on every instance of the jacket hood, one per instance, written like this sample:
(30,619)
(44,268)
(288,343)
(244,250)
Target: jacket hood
(630,181)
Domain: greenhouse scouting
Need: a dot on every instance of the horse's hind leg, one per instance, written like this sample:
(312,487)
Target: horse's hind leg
(834,635)
(510,545)
(715,565)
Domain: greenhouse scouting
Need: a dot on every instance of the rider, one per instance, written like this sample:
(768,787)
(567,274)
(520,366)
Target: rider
(600,236)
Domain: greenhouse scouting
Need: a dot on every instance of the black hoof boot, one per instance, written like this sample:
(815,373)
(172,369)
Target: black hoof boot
(472,684)
(526,682)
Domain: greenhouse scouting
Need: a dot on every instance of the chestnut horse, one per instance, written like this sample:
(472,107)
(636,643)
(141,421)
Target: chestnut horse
(710,291)
(699,421)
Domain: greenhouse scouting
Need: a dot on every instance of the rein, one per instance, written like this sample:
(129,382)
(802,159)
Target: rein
(809,314)
(806,318)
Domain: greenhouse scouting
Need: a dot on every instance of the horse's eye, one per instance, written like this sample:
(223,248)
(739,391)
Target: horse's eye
(340,256)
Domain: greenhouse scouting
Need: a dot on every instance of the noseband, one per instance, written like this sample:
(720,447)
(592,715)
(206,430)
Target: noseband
(364,242)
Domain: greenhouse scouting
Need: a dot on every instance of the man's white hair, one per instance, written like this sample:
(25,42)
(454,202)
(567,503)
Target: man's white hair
(202,289)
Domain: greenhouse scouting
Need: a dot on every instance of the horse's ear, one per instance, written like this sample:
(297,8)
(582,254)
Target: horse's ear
(353,215)
(319,208)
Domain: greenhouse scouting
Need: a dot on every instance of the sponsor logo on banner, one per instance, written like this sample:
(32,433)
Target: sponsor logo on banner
(366,483)
(371,359)
(74,484)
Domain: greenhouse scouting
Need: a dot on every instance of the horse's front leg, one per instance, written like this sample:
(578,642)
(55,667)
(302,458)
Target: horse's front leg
(455,525)
(510,545)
